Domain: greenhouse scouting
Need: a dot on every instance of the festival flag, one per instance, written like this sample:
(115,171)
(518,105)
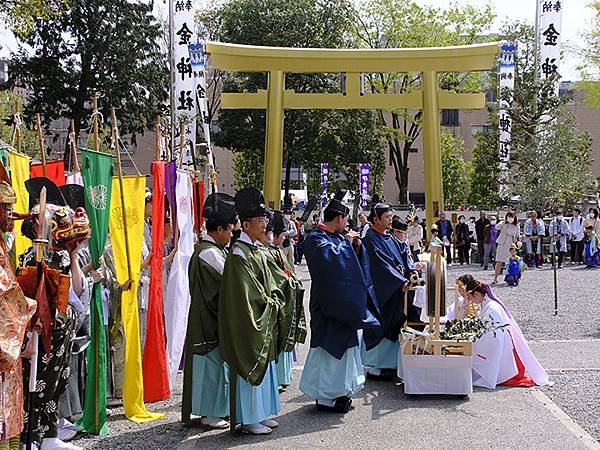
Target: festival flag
(170,183)
(19,173)
(129,262)
(198,205)
(154,361)
(55,170)
(177,300)
(97,182)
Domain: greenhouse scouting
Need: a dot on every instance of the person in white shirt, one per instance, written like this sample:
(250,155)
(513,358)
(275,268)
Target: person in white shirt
(414,235)
(577,234)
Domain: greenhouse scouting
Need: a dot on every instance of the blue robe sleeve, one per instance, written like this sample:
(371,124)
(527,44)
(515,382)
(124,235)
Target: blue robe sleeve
(338,283)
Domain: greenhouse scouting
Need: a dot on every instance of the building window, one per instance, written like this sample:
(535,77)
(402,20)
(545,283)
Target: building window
(413,150)
(450,118)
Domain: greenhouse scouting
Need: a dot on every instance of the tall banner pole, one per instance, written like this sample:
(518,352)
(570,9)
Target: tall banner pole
(40,136)
(73,146)
(506,84)
(549,38)
(95,115)
(198,62)
(183,104)
(115,137)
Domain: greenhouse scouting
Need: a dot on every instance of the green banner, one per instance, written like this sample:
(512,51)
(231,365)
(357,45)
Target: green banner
(96,170)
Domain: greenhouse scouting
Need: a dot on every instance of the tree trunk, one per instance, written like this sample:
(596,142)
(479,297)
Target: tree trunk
(403,186)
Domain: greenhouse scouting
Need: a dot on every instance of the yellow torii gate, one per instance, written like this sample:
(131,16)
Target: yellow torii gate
(278,61)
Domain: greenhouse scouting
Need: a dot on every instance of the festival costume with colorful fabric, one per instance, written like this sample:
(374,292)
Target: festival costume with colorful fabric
(15,312)
(503,356)
(340,299)
(61,311)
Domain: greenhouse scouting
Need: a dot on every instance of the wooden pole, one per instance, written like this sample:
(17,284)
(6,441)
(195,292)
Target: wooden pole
(95,124)
(115,135)
(157,141)
(72,138)
(18,126)
(437,253)
(181,143)
(40,136)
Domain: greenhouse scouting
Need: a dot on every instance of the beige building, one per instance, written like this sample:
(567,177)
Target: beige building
(461,123)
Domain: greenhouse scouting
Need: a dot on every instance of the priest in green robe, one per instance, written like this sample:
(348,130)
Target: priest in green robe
(206,375)
(250,314)
(292,329)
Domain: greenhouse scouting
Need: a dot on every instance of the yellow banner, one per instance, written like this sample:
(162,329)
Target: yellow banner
(122,238)
(19,173)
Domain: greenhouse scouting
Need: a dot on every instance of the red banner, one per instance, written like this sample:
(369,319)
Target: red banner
(154,361)
(198,205)
(55,170)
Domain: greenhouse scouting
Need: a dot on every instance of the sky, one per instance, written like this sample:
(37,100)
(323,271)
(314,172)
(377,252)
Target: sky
(576,20)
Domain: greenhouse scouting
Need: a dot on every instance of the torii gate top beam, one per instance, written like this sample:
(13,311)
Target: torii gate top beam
(250,58)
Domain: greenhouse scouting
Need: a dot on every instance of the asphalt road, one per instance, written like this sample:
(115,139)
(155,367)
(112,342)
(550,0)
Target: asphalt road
(561,416)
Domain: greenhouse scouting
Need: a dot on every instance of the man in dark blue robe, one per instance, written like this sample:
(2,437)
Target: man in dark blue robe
(341,304)
(390,266)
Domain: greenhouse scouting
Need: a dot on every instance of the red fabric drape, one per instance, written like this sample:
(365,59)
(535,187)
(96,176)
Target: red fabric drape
(520,379)
(198,205)
(154,361)
(55,170)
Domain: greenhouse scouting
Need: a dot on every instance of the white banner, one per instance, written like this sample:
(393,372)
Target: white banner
(506,82)
(549,35)
(198,61)
(177,296)
(184,84)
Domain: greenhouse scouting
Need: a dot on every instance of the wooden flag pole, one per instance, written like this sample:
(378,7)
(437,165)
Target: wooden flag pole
(40,136)
(95,124)
(115,136)
(181,143)
(73,147)
(157,141)
(17,126)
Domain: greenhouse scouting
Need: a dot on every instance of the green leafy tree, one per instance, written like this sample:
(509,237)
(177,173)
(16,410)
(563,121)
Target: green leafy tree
(109,48)
(454,173)
(21,15)
(590,52)
(341,138)
(406,24)
(8,106)
(484,171)
(550,157)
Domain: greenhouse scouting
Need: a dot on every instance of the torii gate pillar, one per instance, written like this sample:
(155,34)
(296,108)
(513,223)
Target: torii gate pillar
(277,61)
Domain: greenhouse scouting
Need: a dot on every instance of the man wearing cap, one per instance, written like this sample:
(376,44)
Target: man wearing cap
(248,323)
(206,375)
(389,271)
(340,298)
(292,329)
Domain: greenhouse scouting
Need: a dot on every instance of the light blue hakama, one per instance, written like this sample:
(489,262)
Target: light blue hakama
(285,364)
(210,385)
(383,356)
(327,378)
(255,403)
